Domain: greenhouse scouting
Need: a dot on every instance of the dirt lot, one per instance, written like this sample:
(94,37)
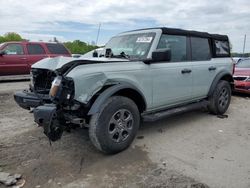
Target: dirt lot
(195,149)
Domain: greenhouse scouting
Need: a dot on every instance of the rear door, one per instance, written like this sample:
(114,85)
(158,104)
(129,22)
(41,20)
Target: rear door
(204,67)
(36,52)
(14,61)
(172,81)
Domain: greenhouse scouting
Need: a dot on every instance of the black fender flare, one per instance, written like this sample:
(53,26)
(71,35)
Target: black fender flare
(109,92)
(219,77)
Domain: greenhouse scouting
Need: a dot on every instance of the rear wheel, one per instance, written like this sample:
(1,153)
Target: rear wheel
(220,99)
(115,126)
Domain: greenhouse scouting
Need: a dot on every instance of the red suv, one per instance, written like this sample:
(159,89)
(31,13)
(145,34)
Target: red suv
(17,57)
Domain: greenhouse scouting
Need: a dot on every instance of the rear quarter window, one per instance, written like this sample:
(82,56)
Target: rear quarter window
(57,49)
(222,48)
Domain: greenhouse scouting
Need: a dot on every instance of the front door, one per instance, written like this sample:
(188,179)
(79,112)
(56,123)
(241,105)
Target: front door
(172,81)
(14,61)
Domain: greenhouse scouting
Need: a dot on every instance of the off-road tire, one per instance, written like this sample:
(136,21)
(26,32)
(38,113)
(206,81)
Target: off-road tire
(220,99)
(100,126)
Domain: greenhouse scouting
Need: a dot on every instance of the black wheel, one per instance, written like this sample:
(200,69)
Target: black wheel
(220,99)
(114,128)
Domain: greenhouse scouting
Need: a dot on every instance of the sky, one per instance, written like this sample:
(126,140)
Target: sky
(79,19)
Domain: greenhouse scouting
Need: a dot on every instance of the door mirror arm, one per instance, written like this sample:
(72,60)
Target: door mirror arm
(2,52)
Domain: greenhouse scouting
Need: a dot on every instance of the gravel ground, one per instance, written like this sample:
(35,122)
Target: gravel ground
(194,149)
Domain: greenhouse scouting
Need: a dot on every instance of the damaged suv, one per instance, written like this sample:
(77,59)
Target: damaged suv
(142,75)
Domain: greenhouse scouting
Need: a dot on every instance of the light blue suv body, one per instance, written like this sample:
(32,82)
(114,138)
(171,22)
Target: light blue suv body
(158,69)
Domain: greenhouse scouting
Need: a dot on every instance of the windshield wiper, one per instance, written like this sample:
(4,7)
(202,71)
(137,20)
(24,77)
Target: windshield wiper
(121,55)
(109,54)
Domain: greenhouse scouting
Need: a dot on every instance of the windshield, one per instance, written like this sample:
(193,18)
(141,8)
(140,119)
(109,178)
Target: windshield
(243,64)
(135,46)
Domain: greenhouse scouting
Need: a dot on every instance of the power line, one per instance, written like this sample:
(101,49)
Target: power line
(98,34)
(244,44)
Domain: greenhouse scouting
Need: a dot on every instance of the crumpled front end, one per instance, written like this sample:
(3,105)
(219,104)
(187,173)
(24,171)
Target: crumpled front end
(61,95)
(55,117)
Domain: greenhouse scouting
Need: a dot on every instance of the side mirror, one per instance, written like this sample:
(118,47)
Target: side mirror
(161,55)
(95,54)
(2,52)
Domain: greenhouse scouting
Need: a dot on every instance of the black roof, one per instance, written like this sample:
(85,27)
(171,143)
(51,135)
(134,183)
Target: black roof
(175,31)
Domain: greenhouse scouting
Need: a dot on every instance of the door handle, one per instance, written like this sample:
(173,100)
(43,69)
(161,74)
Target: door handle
(23,58)
(186,71)
(212,68)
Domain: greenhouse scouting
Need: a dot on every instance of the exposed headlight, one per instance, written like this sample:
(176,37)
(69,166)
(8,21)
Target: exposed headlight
(55,86)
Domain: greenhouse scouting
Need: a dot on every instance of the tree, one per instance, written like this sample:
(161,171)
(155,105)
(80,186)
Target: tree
(2,39)
(79,47)
(11,36)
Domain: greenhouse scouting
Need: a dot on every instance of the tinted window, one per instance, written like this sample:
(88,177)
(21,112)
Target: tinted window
(57,49)
(222,48)
(35,49)
(200,49)
(243,64)
(14,49)
(177,45)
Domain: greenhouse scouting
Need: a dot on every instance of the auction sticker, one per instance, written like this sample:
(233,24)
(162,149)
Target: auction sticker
(144,39)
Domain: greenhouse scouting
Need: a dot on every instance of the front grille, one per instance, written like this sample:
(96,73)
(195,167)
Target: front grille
(42,79)
(240,78)
(242,87)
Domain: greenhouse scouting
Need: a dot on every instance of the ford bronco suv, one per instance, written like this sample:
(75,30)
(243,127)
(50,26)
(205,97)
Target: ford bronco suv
(142,75)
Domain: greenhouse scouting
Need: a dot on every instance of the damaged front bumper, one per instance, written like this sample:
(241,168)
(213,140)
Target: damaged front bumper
(48,117)
(27,99)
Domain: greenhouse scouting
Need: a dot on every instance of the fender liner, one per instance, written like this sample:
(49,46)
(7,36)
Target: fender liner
(216,80)
(109,92)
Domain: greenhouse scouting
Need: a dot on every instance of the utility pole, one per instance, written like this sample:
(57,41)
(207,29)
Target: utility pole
(98,34)
(244,44)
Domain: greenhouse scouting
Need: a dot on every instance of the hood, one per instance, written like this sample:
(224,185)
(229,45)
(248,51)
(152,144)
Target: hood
(242,71)
(58,62)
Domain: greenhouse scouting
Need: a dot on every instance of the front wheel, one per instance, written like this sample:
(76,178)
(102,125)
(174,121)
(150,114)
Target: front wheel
(220,99)
(114,127)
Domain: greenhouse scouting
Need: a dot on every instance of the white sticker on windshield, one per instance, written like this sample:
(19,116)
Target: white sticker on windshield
(144,39)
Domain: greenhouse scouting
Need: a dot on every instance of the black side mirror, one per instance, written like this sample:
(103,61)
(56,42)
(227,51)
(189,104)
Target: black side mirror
(95,54)
(161,55)
(2,52)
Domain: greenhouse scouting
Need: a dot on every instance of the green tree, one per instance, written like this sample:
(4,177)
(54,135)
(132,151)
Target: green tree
(2,39)
(79,47)
(11,36)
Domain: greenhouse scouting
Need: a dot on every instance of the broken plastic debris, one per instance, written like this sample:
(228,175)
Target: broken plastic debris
(8,179)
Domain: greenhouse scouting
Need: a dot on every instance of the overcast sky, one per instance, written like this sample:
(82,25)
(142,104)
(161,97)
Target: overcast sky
(79,19)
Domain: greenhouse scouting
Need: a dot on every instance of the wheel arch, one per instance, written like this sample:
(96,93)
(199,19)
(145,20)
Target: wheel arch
(121,89)
(223,75)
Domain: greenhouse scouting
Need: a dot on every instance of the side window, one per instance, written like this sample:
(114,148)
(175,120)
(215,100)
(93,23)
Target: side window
(177,44)
(14,49)
(35,49)
(57,48)
(222,48)
(200,49)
